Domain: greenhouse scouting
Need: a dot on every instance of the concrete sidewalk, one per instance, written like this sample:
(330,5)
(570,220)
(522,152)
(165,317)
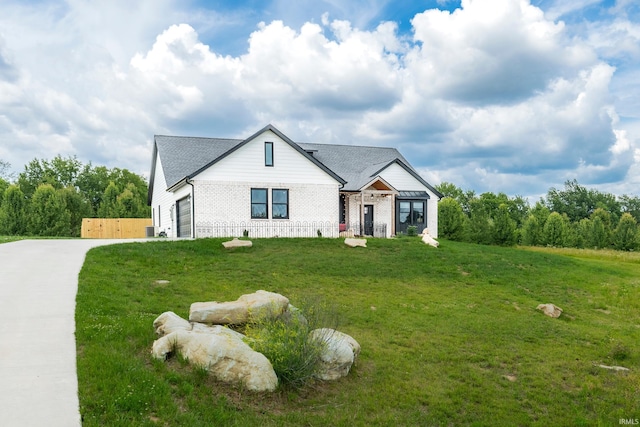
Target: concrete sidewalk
(38,286)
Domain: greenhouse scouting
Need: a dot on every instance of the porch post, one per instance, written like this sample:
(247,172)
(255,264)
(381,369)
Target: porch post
(393,214)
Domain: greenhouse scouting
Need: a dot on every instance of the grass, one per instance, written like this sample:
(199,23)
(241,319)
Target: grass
(7,239)
(449,336)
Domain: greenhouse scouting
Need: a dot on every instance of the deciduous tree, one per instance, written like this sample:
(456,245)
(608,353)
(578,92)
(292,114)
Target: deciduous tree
(48,215)
(13,212)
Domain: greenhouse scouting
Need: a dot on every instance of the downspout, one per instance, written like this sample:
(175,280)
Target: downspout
(193,208)
(361,213)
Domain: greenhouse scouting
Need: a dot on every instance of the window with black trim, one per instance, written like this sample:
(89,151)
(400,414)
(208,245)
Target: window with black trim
(268,153)
(259,203)
(280,204)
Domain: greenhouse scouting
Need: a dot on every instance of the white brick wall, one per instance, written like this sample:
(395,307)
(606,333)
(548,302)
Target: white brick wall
(220,205)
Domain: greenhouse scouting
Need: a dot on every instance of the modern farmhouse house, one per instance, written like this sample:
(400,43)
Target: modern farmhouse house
(267,185)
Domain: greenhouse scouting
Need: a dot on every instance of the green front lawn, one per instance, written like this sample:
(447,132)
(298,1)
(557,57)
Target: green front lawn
(7,239)
(449,336)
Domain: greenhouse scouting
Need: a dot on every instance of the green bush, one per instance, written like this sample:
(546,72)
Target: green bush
(626,233)
(284,340)
(412,230)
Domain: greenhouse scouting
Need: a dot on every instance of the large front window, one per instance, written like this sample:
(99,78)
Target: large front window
(405,213)
(259,203)
(411,213)
(280,204)
(417,213)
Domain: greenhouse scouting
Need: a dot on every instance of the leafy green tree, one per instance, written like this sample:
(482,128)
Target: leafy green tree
(109,207)
(451,219)
(631,205)
(464,198)
(130,206)
(541,212)
(581,233)
(504,227)
(578,202)
(480,225)
(3,187)
(626,233)
(78,208)
(600,234)
(518,210)
(13,218)
(532,231)
(59,173)
(92,182)
(555,230)
(48,215)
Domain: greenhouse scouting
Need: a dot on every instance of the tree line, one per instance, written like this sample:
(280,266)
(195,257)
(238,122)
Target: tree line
(573,216)
(50,197)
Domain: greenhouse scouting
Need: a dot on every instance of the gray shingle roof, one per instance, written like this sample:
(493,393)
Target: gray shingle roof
(182,157)
(356,164)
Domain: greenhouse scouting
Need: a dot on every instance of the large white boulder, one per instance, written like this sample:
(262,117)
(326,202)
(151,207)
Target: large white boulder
(237,243)
(427,239)
(256,305)
(223,354)
(340,352)
(169,322)
(355,242)
(550,310)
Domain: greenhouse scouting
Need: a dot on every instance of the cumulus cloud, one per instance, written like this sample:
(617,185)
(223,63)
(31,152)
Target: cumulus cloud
(494,95)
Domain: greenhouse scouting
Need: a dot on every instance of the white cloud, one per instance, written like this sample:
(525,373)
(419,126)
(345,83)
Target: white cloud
(494,95)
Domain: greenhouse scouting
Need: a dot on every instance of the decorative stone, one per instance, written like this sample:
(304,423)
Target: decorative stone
(426,238)
(355,242)
(169,322)
(550,310)
(257,304)
(340,352)
(223,354)
(237,243)
(613,368)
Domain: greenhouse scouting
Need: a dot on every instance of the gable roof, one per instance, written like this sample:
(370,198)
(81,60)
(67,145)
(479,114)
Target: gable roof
(183,157)
(359,164)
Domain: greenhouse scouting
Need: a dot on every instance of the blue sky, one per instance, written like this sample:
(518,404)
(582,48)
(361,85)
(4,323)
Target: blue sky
(512,96)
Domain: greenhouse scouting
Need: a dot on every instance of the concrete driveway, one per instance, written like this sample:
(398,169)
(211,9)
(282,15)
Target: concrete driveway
(38,286)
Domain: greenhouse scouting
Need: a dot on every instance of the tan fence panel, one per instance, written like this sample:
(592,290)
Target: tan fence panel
(115,228)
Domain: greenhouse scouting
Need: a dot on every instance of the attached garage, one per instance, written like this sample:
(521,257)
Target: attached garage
(183,212)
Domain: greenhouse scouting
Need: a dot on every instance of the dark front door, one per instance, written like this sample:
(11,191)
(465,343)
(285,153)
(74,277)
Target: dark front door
(368,220)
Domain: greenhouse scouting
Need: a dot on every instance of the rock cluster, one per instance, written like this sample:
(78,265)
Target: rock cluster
(204,341)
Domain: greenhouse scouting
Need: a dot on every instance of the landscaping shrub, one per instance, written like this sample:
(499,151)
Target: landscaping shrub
(284,340)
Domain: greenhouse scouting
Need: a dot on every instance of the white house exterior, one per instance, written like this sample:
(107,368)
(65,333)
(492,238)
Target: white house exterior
(268,185)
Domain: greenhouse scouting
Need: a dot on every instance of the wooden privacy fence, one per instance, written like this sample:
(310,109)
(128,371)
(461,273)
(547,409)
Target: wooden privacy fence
(115,228)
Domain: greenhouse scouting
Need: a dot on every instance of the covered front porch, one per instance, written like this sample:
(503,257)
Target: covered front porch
(379,210)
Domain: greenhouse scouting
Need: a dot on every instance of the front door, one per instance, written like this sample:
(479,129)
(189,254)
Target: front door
(368,220)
